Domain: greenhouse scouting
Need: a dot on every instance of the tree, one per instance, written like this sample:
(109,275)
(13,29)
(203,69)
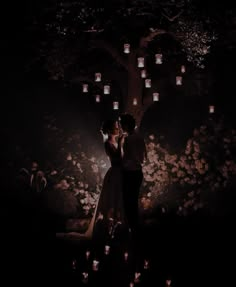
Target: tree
(85,37)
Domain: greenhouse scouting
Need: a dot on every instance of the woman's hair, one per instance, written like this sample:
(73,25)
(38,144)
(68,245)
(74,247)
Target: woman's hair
(108,126)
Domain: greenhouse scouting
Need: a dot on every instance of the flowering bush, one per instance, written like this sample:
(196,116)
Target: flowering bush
(206,164)
(74,171)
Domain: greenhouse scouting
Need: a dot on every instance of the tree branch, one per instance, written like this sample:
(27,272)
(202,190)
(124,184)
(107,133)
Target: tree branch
(85,80)
(153,33)
(112,51)
(171,19)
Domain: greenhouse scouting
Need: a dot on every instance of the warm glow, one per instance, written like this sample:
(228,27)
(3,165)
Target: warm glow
(107,249)
(140,62)
(135,102)
(126,48)
(183,69)
(95,265)
(97,98)
(106,89)
(148,83)
(98,77)
(155,97)
(115,105)
(211,109)
(178,80)
(143,74)
(85,88)
(158,58)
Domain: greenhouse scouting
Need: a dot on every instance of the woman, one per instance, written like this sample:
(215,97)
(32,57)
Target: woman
(109,214)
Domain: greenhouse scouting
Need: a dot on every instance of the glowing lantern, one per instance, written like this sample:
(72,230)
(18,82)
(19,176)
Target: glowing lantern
(155,97)
(136,277)
(85,88)
(97,98)
(85,277)
(126,255)
(183,70)
(140,62)
(115,105)
(143,74)
(74,264)
(126,48)
(148,83)
(98,77)
(87,254)
(146,264)
(106,89)
(95,265)
(178,80)
(135,102)
(158,58)
(211,109)
(168,282)
(107,249)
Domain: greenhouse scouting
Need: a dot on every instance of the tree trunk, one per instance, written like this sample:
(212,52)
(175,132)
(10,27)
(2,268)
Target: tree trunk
(135,89)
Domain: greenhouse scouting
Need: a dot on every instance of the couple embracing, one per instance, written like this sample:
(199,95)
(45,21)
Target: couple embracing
(118,201)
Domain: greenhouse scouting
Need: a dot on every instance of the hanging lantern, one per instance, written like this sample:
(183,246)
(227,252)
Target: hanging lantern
(95,265)
(168,282)
(183,70)
(126,48)
(158,58)
(143,74)
(211,109)
(140,62)
(107,249)
(148,83)
(155,97)
(85,277)
(115,105)
(98,77)
(97,98)
(135,102)
(87,254)
(146,264)
(178,80)
(85,88)
(106,89)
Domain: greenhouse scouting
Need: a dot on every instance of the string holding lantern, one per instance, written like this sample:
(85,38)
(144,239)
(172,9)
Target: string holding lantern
(155,97)
(106,90)
(140,62)
(143,74)
(115,105)
(135,101)
(85,88)
(211,109)
(179,80)
(97,98)
(148,83)
(98,77)
(158,58)
(183,69)
(127,48)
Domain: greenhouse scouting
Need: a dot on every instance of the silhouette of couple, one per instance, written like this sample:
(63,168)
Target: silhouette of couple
(118,201)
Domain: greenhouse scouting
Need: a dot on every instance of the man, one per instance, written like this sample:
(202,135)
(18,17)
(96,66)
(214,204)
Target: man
(133,153)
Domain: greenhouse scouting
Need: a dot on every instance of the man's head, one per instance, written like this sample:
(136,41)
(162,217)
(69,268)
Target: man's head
(127,122)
